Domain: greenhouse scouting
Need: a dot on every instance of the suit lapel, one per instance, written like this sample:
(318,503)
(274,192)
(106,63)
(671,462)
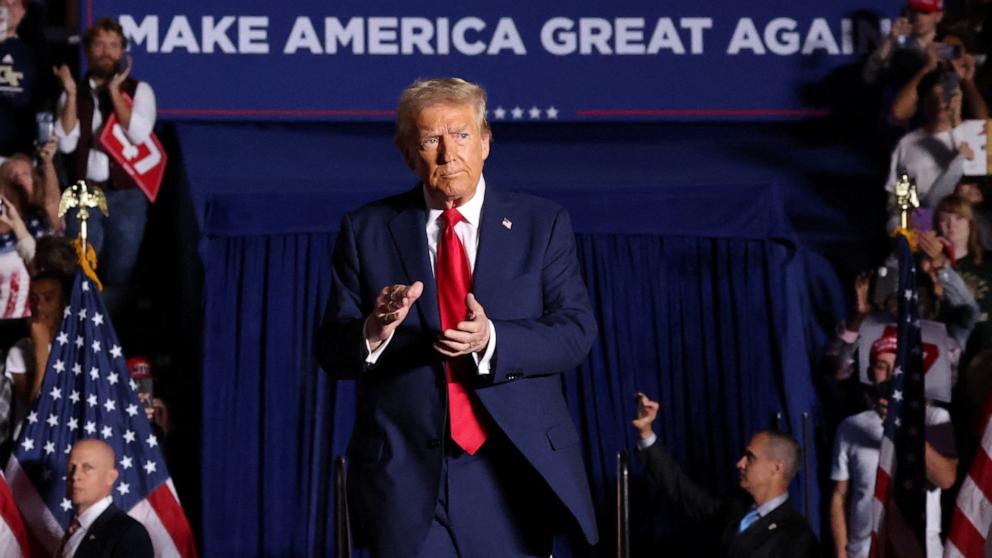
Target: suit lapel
(763,528)
(495,240)
(408,229)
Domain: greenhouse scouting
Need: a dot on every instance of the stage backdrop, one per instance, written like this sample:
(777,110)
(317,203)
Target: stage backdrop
(697,282)
(540,60)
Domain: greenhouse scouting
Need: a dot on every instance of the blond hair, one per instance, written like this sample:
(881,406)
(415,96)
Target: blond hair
(425,93)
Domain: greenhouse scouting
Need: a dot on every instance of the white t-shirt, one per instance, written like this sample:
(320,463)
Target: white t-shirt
(856,461)
(20,360)
(925,157)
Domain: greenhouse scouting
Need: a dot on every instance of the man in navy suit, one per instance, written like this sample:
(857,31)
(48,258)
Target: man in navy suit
(455,307)
(99,529)
(766,525)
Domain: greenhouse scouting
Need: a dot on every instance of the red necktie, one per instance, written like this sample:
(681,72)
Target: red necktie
(454,281)
(73,527)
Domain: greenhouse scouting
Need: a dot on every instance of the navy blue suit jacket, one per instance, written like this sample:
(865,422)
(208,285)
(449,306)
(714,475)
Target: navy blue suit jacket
(527,279)
(115,534)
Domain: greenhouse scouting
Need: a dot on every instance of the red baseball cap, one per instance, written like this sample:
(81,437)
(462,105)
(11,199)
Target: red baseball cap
(884,344)
(926,6)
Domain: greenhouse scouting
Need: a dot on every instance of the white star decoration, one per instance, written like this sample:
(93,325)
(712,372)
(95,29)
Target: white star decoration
(95,373)
(56,393)
(126,463)
(74,396)
(82,314)
(91,400)
(106,432)
(79,341)
(123,488)
(897,395)
(116,352)
(49,448)
(151,441)
(32,417)
(132,409)
(53,420)
(517,113)
(66,505)
(90,427)
(96,346)
(129,436)
(77,369)
(98,319)
(110,405)
(134,385)
(149,467)
(27,444)
(73,424)
(59,366)
(67,312)
(63,338)
(86,286)
(112,378)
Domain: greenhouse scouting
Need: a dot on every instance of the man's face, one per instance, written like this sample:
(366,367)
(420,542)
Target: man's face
(105,53)
(449,153)
(757,470)
(924,23)
(22,175)
(91,473)
(46,301)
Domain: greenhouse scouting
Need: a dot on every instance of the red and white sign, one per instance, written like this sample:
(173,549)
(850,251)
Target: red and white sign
(145,163)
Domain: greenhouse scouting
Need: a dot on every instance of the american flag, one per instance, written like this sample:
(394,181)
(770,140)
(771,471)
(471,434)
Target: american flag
(87,393)
(973,511)
(13,536)
(899,509)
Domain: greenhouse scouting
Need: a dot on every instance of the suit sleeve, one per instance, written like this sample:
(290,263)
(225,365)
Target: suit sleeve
(339,344)
(563,335)
(666,474)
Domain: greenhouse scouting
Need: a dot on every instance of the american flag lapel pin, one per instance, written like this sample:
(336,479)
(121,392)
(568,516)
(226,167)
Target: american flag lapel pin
(507,223)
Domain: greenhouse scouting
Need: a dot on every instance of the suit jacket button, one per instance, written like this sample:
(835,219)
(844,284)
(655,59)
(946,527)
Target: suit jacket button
(434,443)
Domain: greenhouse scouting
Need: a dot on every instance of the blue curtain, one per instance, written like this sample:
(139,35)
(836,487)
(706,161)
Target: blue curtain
(713,328)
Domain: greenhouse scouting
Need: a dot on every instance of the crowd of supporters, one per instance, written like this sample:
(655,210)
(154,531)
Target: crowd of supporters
(933,73)
(50,117)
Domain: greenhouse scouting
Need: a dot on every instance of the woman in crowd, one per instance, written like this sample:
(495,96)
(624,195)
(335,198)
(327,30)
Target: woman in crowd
(955,222)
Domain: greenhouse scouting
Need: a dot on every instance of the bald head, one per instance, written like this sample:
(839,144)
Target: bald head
(91,473)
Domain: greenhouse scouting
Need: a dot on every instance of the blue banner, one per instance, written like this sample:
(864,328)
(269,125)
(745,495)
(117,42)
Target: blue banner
(539,60)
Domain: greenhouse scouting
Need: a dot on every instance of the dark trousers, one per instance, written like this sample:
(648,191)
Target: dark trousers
(490,504)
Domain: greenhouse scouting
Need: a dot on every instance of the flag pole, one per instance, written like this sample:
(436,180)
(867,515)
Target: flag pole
(84,197)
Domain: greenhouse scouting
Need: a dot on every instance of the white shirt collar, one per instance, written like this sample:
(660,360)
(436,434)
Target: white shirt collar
(769,506)
(89,516)
(471,210)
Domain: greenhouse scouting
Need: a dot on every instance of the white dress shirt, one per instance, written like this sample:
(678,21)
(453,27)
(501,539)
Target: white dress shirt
(138,131)
(467,231)
(85,520)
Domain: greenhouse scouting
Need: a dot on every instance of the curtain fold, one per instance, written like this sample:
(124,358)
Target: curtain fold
(712,328)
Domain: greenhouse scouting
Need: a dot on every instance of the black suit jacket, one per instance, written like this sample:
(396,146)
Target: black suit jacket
(783,533)
(115,534)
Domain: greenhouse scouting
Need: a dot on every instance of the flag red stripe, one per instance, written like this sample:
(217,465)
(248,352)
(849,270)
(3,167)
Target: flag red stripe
(11,515)
(173,519)
(981,472)
(882,483)
(966,537)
